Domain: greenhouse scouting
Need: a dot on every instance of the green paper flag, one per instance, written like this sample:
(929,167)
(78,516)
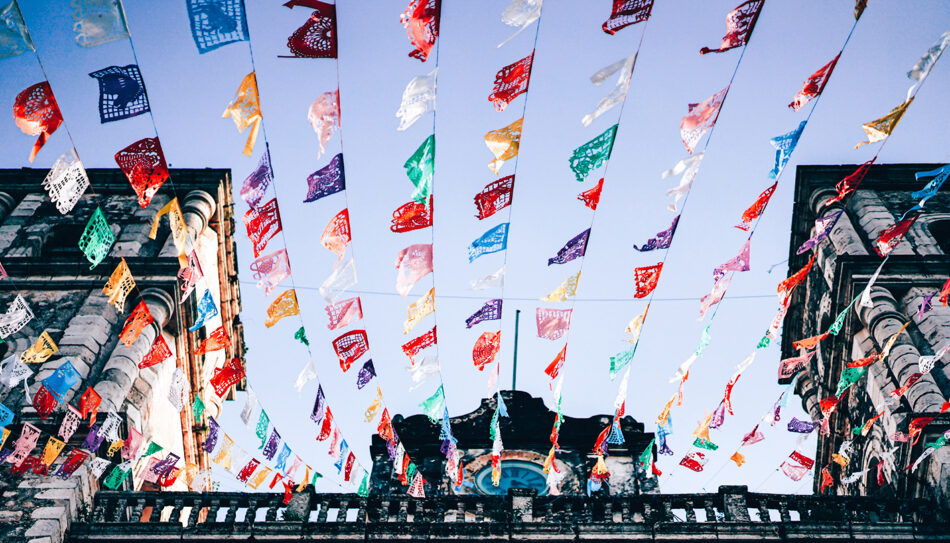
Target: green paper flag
(116,477)
(849,376)
(301,336)
(152,448)
(262,423)
(433,405)
(420,168)
(620,360)
(494,429)
(197,409)
(316,475)
(764,342)
(646,457)
(705,444)
(410,471)
(364,485)
(96,239)
(839,321)
(593,154)
(703,341)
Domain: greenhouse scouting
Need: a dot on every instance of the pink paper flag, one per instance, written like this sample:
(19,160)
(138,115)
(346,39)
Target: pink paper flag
(414,263)
(553,323)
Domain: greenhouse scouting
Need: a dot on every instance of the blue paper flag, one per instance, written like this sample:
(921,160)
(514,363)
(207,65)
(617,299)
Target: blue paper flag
(492,241)
(206,310)
(215,23)
(784,147)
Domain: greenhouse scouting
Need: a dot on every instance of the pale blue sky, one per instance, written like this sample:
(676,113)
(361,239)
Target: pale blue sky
(793,38)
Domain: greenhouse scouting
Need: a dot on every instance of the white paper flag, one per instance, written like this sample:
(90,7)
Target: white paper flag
(66,181)
(494,280)
(619,92)
(689,167)
(417,100)
(307,374)
(341,279)
(520,13)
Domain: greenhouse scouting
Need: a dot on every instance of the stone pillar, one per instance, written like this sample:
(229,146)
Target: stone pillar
(197,208)
(873,217)
(120,371)
(7,203)
(883,320)
(521,503)
(734,503)
(843,236)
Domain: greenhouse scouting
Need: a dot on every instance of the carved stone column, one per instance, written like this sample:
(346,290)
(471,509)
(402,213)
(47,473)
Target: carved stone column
(843,236)
(197,208)
(121,369)
(7,203)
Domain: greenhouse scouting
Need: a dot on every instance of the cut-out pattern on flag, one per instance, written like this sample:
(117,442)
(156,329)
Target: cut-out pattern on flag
(270,449)
(504,144)
(784,147)
(554,368)
(486,347)
(284,305)
(591,197)
(814,85)
(417,99)
(553,323)
(121,93)
(715,296)
(851,182)
(802,426)
(739,263)
(37,114)
(248,470)
(44,402)
(879,129)
(262,223)
(755,210)
(206,310)
(317,37)
(158,352)
(492,241)
(143,163)
(619,92)
(319,406)
(565,290)
(89,404)
(511,82)
(624,13)
(215,23)
(433,406)
(939,175)
(662,240)
(415,345)
(245,111)
(646,279)
(226,377)
(324,117)
(14,37)
(495,197)
(412,216)
(17,315)
(413,263)
(188,276)
(342,313)
(520,13)
(96,239)
(797,466)
(694,461)
(342,278)
(366,374)
(135,324)
(39,352)
(420,168)
(216,341)
(922,67)
(119,286)
(892,236)
(575,247)
(489,312)
(593,154)
(689,168)
(336,235)
(77,457)
(270,269)
(64,378)
(178,390)
(350,347)
(66,181)
(787,285)
(739,25)
(328,180)
(256,183)
(421,21)
(419,310)
(700,118)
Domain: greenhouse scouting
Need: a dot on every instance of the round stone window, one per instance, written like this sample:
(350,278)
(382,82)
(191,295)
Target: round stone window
(514,474)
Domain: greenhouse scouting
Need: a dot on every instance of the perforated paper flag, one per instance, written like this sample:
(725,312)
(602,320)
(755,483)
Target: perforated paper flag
(701,117)
(216,23)
(143,163)
(739,25)
(624,13)
(511,82)
(324,117)
(593,154)
(492,241)
(119,286)
(417,99)
(328,180)
(121,93)
(413,263)
(504,144)
(552,323)
(37,114)
(14,37)
(317,37)
(245,111)
(419,310)
(66,181)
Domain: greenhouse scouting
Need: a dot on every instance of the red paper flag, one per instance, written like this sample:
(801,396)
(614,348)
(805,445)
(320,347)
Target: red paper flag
(511,82)
(262,223)
(814,85)
(217,340)
(137,321)
(247,470)
(916,426)
(786,287)
(343,312)
(757,207)
(826,479)
(327,425)
(739,25)
(89,405)
(850,183)
(159,352)
(413,346)
(624,13)
(494,197)
(486,347)
(317,37)
(861,362)
(809,342)
(646,279)
(336,235)
(44,402)
(945,293)
(37,114)
(224,378)
(143,163)
(421,20)
(555,366)
(591,197)
(892,236)
(350,346)
(694,461)
(412,216)
(385,427)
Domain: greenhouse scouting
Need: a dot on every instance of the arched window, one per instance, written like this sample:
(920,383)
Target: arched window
(940,230)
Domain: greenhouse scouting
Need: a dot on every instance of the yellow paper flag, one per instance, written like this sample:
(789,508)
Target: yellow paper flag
(284,305)
(880,129)
(245,111)
(504,143)
(119,286)
(419,310)
(40,352)
(565,290)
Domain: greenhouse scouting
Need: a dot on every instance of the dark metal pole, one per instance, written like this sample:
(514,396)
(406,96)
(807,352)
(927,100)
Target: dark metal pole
(514,365)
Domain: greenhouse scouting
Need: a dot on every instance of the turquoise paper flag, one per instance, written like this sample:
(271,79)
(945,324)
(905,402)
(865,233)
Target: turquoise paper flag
(492,241)
(420,168)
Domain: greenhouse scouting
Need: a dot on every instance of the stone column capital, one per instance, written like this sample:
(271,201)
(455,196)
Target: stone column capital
(160,304)
(198,207)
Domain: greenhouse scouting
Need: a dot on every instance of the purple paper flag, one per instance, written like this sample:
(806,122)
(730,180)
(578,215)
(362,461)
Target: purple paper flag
(739,263)
(662,240)
(319,406)
(489,312)
(926,305)
(328,180)
(93,439)
(719,416)
(212,439)
(367,372)
(802,426)
(164,467)
(574,248)
(823,226)
(256,184)
(270,449)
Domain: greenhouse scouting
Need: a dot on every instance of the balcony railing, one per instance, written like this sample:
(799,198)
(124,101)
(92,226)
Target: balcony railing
(732,512)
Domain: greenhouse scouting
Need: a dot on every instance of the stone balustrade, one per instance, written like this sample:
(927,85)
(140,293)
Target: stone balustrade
(731,513)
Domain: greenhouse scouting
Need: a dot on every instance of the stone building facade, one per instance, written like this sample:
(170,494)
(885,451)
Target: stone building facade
(39,251)
(844,266)
(526,435)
